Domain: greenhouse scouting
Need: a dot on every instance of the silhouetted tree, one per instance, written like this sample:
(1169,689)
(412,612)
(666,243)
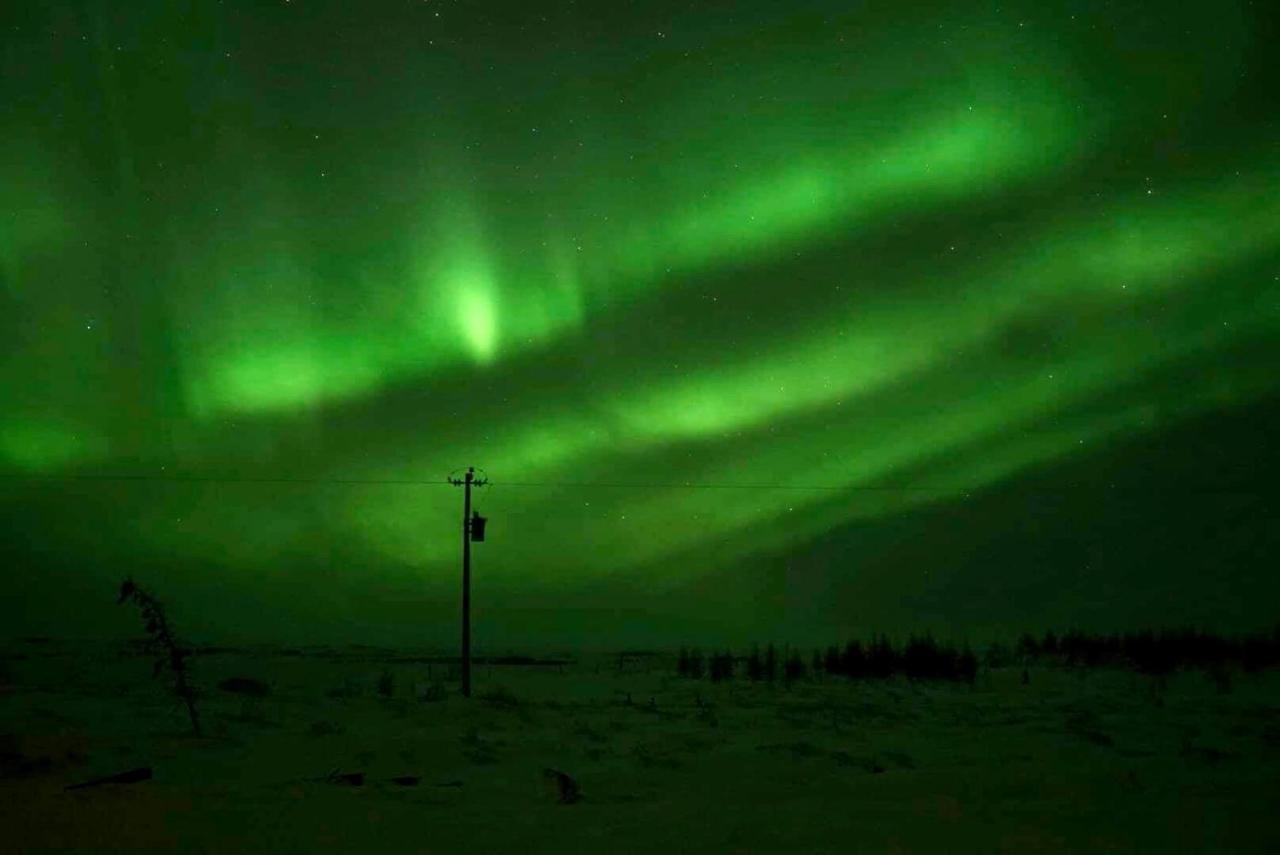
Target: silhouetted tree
(770,663)
(831,660)
(721,667)
(853,661)
(174,654)
(755,665)
(696,664)
(794,668)
(921,659)
(882,659)
(1049,644)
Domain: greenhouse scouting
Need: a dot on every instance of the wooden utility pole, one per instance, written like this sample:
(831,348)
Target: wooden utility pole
(467,483)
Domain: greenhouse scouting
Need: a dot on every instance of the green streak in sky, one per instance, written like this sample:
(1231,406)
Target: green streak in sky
(480,301)
(939,157)
(1147,245)
(859,371)
(1000,417)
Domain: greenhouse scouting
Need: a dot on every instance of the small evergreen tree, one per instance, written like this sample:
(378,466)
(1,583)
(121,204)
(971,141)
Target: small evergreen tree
(173,653)
(1049,644)
(831,660)
(793,669)
(882,659)
(853,661)
(696,664)
(920,658)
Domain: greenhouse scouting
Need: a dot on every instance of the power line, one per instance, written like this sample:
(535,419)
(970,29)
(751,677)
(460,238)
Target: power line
(675,485)
(892,488)
(212,479)
(683,485)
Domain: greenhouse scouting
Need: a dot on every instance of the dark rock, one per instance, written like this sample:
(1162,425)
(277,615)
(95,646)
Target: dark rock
(132,776)
(567,790)
(246,686)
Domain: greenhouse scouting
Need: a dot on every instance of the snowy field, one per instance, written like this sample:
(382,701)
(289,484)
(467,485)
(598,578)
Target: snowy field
(1073,761)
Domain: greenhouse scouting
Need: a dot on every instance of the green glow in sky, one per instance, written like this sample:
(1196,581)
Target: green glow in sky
(912,258)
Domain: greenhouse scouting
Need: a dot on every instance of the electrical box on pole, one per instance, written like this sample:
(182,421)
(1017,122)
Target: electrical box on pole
(472,529)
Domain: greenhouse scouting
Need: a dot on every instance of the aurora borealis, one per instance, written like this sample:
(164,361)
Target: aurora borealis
(963,266)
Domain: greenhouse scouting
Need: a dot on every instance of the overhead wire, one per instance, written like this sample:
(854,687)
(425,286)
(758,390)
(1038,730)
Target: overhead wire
(672,485)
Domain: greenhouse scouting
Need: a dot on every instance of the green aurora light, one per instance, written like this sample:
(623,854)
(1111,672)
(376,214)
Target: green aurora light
(810,245)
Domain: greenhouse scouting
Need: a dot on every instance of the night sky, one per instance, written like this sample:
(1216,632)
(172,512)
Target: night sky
(766,320)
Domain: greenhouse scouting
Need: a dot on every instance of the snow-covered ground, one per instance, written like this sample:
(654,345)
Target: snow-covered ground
(1074,761)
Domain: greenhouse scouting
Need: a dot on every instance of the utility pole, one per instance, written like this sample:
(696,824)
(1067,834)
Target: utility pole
(467,531)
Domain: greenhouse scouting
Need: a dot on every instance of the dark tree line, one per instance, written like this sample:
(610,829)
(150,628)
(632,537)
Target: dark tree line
(1152,652)
(921,658)
(925,658)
